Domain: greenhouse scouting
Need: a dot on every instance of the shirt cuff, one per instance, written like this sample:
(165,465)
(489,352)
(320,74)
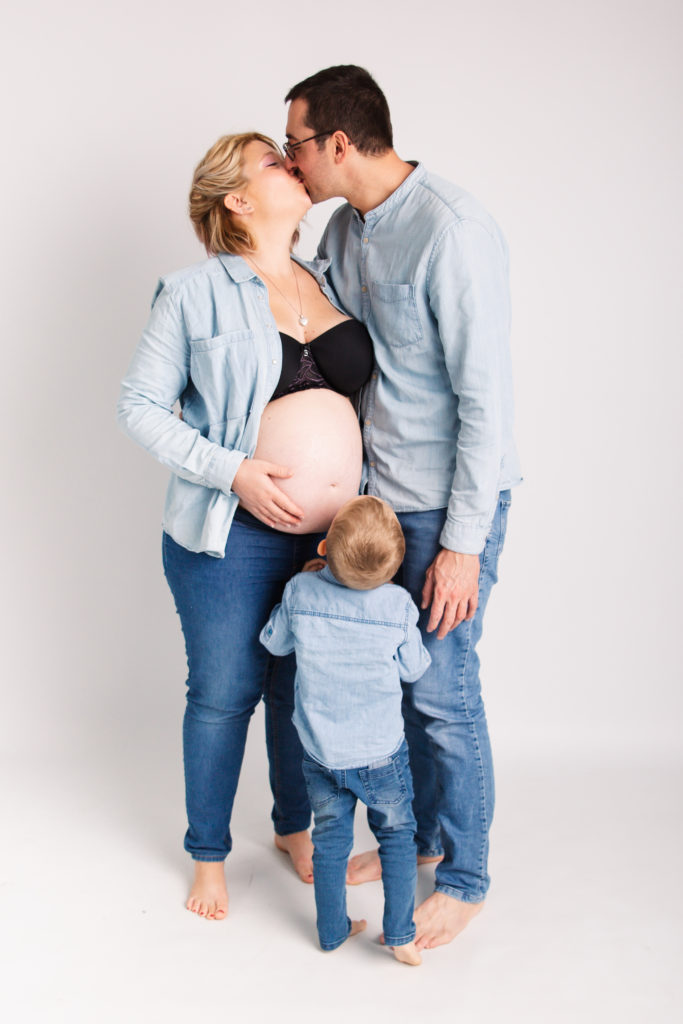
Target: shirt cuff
(222,468)
(464,538)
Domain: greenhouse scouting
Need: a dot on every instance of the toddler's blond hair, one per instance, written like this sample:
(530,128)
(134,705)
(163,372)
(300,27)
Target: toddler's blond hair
(365,543)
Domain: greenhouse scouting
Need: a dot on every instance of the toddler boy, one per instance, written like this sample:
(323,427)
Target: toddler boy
(355,635)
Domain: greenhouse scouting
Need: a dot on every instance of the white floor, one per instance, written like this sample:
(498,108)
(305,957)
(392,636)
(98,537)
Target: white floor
(583,922)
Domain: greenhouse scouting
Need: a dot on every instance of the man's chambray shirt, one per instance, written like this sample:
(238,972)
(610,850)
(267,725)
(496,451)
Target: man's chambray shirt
(427,272)
(353,648)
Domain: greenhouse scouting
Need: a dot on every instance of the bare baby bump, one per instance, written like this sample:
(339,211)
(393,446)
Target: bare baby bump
(316,435)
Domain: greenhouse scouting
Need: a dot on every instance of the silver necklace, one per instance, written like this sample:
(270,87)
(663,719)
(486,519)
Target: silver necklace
(303,320)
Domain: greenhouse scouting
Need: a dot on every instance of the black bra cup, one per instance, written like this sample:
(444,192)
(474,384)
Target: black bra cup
(342,355)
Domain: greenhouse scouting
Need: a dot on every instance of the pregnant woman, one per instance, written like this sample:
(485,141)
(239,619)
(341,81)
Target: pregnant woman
(266,449)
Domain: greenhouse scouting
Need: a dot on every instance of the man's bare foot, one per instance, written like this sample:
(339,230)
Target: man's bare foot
(366,867)
(209,896)
(300,848)
(358,926)
(408,954)
(440,918)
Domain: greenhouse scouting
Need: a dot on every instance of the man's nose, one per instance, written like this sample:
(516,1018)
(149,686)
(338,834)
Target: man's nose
(290,165)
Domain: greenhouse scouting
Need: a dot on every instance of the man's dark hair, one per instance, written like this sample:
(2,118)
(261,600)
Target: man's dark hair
(347,98)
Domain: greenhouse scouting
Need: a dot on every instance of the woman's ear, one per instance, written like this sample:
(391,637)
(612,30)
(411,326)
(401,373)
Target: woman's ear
(322,548)
(234,204)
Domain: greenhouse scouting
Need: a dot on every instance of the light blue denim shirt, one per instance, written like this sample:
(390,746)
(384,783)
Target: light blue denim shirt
(427,272)
(211,342)
(353,648)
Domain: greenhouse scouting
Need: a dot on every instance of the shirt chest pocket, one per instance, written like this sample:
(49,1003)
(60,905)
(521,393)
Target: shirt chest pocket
(223,370)
(395,314)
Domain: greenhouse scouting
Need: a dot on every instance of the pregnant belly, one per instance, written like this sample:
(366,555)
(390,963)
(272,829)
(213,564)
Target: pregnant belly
(317,436)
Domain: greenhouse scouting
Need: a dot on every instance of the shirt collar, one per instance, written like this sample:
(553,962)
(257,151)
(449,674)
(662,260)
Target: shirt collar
(328,576)
(399,194)
(240,271)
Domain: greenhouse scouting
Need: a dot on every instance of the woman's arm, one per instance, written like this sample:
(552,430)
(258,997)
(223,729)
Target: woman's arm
(157,376)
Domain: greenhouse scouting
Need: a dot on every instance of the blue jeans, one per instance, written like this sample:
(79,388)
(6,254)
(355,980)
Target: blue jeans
(386,789)
(445,721)
(222,604)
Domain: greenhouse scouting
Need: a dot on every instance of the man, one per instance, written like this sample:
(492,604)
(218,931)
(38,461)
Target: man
(425,268)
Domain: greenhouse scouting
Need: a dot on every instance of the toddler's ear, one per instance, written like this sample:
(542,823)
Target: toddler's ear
(322,548)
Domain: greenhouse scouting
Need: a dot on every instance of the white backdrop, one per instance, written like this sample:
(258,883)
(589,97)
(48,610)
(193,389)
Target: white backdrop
(564,120)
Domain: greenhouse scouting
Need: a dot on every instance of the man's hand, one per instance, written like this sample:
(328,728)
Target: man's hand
(254,485)
(452,588)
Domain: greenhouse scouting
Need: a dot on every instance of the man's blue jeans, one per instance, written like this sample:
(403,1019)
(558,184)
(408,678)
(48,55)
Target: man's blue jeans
(386,789)
(445,721)
(222,604)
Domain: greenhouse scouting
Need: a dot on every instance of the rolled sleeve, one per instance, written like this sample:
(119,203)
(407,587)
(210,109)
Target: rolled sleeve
(412,656)
(469,296)
(157,376)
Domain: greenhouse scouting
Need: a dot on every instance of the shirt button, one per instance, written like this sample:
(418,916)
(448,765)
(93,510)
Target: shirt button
(374,376)
(274,361)
(368,422)
(363,289)
(372,463)
(365,241)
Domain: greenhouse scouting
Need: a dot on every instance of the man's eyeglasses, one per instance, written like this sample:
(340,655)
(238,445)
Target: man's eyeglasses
(291,147)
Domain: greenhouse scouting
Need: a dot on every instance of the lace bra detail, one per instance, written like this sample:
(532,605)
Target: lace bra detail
(340,359)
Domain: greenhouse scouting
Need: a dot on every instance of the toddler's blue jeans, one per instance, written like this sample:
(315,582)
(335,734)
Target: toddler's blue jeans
(387,790)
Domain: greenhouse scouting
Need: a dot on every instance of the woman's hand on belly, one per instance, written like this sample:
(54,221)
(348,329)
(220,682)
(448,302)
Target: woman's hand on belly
(316,434)
(259,494)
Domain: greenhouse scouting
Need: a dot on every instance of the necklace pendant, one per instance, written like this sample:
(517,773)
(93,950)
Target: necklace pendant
(303,320)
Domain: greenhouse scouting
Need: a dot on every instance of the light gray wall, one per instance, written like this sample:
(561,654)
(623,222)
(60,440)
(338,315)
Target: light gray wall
(562,118)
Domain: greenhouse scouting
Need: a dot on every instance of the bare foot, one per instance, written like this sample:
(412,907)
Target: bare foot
(440,918)
(300,848)
(408,954)
(209,896)
(358,926)
(366,867)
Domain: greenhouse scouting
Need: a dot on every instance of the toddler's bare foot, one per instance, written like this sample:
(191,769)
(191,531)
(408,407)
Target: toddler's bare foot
(300,848)
(366,867)
(209,896)
(408,954)
(440,918)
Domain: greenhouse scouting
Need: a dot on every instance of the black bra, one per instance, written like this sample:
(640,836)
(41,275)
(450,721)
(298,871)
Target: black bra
(340,359)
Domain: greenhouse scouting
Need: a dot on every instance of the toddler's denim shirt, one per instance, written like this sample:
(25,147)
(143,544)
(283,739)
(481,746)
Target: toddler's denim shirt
(353,648)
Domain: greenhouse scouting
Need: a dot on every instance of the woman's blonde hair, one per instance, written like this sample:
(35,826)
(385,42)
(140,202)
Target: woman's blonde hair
(220,172)
(365,543)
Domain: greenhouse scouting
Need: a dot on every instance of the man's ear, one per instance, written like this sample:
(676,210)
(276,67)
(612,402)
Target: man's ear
(341,146)
(322,548)
(234,204)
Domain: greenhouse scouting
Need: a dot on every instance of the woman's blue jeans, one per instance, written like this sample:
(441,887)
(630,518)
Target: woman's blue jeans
(445,721)
(223,604)
(386,788)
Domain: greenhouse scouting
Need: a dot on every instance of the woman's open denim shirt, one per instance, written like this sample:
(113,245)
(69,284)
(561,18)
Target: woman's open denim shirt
(212,343)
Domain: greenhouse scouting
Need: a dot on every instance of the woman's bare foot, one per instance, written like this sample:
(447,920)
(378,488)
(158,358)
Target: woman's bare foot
(300,848)
(209,896)
(440,918)
(366,867)
(358,926)
(408,954)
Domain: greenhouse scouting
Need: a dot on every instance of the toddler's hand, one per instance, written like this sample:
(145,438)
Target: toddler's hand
(314,564)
